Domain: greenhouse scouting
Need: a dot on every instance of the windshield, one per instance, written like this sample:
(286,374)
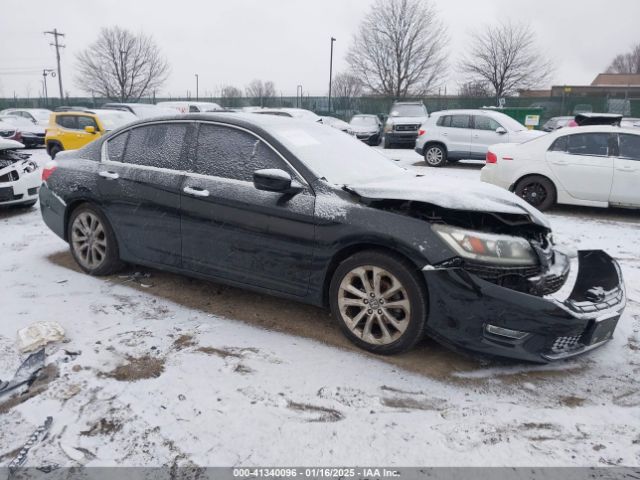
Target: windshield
(116,118)
(16,121)
(330,154)
(364,122)
(41,115)
(408,111)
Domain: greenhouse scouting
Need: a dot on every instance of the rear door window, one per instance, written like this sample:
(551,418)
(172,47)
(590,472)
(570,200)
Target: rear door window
(227,152)
(68,121)
(594,144)
(160,145)
(460,121)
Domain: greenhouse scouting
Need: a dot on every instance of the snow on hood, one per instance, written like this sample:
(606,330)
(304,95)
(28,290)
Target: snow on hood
(364,128)
(6,144)
(454,194)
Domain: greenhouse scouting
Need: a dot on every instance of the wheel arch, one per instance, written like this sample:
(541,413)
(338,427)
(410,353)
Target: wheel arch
(51,143)
(354,248)
(513,186)
(438,143)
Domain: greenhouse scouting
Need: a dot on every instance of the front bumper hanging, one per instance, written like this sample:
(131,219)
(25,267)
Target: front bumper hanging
(474,314)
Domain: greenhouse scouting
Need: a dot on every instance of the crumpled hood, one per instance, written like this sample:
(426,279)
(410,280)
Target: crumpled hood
(364,129)
(449,193)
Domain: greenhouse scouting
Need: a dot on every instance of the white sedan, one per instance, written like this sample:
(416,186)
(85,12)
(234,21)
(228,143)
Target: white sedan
(19,177)
(594,166)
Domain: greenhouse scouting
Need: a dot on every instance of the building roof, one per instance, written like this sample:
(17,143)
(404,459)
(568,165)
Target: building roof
(616,79)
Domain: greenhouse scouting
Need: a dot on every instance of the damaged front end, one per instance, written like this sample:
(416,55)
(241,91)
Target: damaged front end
(506,291)
(19,179)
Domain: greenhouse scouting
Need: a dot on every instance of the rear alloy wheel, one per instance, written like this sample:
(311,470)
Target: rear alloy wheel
(538,191)
(435,156)
(54,151)
(92,242)
(379,302)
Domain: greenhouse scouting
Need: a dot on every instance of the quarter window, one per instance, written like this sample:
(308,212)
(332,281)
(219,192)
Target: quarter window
(630,146)
(159,145)
(560,145)
(595,144)
(115,147)
(231,153)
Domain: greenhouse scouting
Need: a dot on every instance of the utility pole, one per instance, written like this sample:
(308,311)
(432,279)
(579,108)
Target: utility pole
(56,44)
(197,89)
(331,72)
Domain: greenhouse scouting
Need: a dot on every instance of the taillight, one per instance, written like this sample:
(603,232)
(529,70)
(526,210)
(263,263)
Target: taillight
(48,170)
(421,132)
(492,157)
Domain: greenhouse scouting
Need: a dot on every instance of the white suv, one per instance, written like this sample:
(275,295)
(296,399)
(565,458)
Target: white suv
(452,135)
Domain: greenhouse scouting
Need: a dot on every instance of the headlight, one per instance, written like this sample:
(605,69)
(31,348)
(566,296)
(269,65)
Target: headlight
(29,167)
(487,247)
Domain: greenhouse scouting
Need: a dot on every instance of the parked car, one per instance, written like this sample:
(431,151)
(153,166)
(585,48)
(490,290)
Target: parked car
(367,128)
(299,113)
(32,134)
(141,110)
(590,119)
(629,122)
(337,124)
(69,130)
(555,123)
(19,176)
(452,135)
(403,123)
(9,131)
(38,116)
(594,166)
(302,211)
(190,107)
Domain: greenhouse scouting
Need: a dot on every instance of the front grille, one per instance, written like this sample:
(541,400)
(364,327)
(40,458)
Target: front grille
(12,176)
(406,128)
(609,299)
(566,344)
(522,279)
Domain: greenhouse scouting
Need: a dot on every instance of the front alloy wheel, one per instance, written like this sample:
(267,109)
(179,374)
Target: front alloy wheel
(379,302)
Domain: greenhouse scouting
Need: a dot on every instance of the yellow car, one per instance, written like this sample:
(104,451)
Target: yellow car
(69,130)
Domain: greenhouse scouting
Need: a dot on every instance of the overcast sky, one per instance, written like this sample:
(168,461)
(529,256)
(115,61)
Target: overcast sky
(287,41)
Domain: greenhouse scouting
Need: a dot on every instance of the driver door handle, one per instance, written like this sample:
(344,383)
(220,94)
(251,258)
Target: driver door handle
(109,175)
(196,192)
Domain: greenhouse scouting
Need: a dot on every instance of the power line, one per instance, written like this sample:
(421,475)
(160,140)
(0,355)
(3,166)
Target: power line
(56,44)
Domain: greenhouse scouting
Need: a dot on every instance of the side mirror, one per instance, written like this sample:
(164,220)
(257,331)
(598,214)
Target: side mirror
(90,129)
(275,180)
(500,131)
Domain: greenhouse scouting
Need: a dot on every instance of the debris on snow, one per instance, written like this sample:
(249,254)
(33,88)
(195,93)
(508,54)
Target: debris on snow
(38,335)
(26,373)
(37,436)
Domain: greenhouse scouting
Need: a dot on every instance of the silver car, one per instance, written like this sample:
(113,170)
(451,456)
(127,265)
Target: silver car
(452,135)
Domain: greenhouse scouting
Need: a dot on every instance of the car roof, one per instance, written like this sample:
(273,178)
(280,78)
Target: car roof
(595,129)
(467,111)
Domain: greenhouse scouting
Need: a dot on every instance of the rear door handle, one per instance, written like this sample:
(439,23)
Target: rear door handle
(560,162)
(196,192)
(109,175)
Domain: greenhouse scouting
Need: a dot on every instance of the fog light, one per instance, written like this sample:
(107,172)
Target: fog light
(505,332)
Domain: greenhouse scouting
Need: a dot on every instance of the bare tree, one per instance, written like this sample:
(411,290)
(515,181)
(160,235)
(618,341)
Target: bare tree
(626,62)
(261,91)
(346,88)
(505,57)
(121,65)
(399,49)
(231,96)
(476,88)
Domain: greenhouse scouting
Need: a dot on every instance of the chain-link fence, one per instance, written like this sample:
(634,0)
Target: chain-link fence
(346,107)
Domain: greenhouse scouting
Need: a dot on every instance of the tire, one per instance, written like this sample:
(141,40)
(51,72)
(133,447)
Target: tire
(386,143)
(435,156)
(54,150)
(538,191)
(363,316)
(92,241)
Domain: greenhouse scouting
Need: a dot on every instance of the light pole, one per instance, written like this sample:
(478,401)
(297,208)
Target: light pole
(45,72)
(331,71)
(299,96)
(197,88)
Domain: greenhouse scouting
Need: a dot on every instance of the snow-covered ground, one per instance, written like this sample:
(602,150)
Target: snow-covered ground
(186,372)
